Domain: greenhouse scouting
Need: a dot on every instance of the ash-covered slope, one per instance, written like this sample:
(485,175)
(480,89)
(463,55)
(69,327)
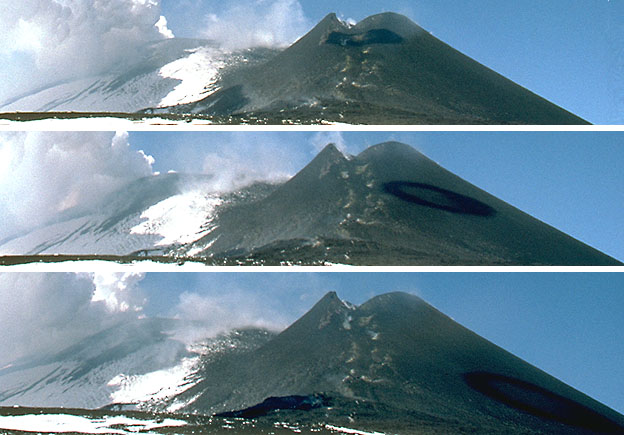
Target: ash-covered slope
(167,72)
(384,70)
(402,366)
(388,205)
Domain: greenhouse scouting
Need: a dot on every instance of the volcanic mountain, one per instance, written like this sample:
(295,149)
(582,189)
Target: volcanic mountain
(389,205)
(394,364)
(384,70)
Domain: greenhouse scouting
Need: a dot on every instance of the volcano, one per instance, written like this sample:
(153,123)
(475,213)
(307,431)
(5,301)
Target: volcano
(397,365)
(389,205)
(384,70)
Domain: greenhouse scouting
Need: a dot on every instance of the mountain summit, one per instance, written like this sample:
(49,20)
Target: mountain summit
(384,70)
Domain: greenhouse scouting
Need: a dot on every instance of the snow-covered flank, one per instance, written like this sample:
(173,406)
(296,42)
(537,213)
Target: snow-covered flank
(80,236)
(181,218)
(63,423)
(351,431)
(198,74)
(157,386)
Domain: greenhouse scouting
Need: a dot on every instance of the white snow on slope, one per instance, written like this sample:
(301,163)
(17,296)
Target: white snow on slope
(54,384)
(63,423)
(155,386)
(80,236)
(95,95)
(351,431)
(181,218)
(187,79)
(198,73)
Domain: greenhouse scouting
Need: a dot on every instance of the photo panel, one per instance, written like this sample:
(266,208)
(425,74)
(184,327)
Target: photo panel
(312,62)
(313,198)
(336,353)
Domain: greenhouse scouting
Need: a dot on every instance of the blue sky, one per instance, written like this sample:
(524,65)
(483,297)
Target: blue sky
(569,51)
(568,324)
(570,180)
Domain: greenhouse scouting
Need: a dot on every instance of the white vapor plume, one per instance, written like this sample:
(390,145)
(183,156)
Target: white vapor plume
(322,138)
(219,313)
(247,159)
(65,39)
(256,23)
(44,173)
(44,313)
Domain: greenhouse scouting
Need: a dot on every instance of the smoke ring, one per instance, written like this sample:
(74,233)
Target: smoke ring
(436,197)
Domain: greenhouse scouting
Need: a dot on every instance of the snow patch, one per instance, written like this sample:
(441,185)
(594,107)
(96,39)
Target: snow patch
(346,324)
(198,72)
(158,386)
(348,305)
(181,218)
(63,423)
(351,431)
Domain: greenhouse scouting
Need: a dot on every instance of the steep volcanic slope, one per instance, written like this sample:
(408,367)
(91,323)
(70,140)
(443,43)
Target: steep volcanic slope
(405,366)
(384,70)
(388,205)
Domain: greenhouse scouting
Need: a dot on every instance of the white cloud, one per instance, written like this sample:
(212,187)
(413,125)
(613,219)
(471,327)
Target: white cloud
(43,313)
(119,291)
(256,23)
(44,173)
(161,25)
(62,39)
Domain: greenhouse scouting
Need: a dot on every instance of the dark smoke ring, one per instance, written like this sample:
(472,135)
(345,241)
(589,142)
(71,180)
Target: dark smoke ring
(449,201)
(539,401)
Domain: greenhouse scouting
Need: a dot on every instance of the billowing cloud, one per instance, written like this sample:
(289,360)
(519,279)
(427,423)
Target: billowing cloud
(47,312)
(63,39)
(256,23)
(161,25)
(44,173)
(119,291)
